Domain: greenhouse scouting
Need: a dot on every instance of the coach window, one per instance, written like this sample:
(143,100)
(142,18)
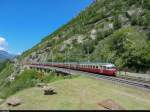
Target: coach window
(96,66)
(104,67)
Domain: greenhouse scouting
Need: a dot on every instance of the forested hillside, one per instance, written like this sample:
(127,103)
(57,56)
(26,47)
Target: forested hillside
(116,31)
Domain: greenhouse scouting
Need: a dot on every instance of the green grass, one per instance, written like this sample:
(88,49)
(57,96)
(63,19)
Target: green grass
(28,78)
(82,93)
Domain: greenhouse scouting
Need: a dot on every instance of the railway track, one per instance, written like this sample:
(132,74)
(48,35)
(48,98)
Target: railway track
(135,79)
(134,83)
(121,80)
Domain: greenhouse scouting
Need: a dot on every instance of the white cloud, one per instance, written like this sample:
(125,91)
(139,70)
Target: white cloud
(19,53)
(1,48)
(3,44)
(2,41)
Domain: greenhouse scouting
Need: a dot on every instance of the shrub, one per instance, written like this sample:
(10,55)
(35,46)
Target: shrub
(26,79)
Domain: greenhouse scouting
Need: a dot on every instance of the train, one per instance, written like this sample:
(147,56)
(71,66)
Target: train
(108,69)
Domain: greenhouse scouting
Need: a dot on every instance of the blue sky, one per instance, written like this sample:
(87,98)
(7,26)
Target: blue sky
(23,23)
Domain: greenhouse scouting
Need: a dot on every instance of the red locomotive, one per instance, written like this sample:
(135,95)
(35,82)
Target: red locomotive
(99,68)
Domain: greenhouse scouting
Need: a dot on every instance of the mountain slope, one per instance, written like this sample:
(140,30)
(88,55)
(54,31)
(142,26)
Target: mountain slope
(116,31)
(5,55)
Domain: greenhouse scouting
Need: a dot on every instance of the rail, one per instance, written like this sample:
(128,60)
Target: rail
(120,80)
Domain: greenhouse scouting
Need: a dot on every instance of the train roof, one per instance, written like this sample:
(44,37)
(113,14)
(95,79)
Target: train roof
(100,64)
(85,63)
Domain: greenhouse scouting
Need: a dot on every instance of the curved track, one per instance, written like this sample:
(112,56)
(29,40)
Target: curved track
(98,76)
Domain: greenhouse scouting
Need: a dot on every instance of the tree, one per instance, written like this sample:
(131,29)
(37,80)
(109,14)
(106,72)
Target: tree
(117,21)
(88,46)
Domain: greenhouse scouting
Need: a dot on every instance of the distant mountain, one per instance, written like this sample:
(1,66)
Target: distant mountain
(5,55)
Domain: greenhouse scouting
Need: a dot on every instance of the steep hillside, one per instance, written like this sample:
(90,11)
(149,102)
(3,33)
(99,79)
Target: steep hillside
(116,31)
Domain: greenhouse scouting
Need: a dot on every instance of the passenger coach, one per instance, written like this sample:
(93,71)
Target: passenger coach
(99,68)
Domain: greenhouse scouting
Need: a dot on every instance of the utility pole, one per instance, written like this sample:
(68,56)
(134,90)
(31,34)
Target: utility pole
(46,55)
(88,54)
(52,56)
(65,56)
(68,54)
(66,59)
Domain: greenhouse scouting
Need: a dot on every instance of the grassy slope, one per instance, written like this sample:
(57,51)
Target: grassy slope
(82,93)
(27,79)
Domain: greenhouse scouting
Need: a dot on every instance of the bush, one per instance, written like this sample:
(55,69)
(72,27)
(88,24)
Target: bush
(26,79)
(88,46)
(3,64)
(126,48)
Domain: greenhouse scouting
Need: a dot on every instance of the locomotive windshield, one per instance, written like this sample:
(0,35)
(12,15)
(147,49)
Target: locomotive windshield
(111,67)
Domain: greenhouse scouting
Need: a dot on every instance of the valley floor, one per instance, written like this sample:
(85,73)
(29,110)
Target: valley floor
(81,93)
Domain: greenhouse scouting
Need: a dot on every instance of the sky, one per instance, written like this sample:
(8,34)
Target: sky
(23,23)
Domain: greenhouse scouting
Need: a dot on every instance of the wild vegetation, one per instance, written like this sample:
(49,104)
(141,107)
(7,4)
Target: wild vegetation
(27,79)
(5,73)
(116,31)
(3,65)
(81,93)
